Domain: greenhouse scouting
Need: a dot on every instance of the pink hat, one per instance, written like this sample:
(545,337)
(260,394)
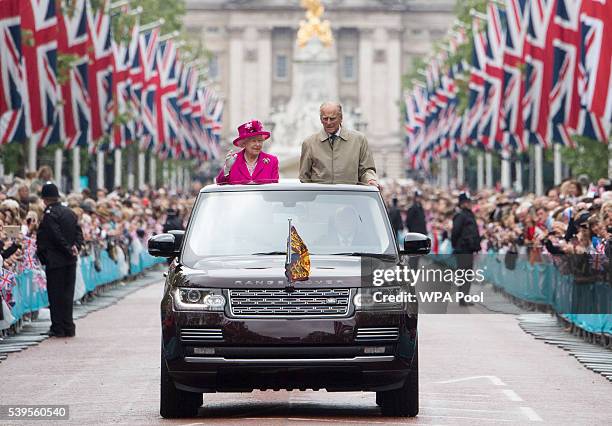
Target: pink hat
(250,129)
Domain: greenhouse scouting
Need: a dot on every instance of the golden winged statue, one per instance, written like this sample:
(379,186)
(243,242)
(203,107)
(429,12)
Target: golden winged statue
(314,26)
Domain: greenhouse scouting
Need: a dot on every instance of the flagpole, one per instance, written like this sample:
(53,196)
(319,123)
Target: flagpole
(489,169)
(610,159)
(539,175)
(169,36)
(460,170)
(58,168)
(118,169)
(444,173)
(480,171)
(141,169)
(152,170)
(119,3)
(165,175)
(100,169)
(152,25)
(76,169)
(179,176)
(288,253)
(557,164)
(505,170)
(518,183)
(130,169)
(32,155)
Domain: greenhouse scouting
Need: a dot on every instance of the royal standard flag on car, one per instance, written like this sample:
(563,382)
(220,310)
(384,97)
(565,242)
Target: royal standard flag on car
(297,263)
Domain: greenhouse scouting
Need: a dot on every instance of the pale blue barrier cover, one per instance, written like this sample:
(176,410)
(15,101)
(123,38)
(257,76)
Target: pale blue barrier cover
(29,297)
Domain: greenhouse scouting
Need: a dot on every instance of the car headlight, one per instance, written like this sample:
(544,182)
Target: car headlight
(380,299)
(201,299)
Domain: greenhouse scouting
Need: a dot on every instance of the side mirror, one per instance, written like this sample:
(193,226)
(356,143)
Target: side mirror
(178,238)
(416,244)
(164,245)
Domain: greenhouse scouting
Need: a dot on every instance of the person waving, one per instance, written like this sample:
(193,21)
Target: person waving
(250,165)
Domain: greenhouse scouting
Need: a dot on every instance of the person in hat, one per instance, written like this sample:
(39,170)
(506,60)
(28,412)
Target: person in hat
(59,239)
(336,154)
(395,216)
(416,222)
(173,221)
(465,239)
(250,165)
(415,216)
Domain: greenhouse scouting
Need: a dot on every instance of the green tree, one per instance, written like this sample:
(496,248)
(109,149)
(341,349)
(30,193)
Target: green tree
(590,157)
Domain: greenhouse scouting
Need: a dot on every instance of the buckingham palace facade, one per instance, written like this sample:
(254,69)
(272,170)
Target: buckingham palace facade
(252,43)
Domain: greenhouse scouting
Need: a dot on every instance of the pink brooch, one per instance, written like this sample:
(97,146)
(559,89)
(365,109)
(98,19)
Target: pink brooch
(266,160)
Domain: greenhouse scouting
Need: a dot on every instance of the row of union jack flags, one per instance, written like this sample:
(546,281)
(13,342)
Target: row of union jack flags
(540,73)
(112,93)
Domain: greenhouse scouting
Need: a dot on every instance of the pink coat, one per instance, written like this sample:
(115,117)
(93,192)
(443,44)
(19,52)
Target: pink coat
(266,171)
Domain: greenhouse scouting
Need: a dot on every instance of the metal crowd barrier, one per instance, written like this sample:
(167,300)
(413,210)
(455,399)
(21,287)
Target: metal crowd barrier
(587,305)
(30,295)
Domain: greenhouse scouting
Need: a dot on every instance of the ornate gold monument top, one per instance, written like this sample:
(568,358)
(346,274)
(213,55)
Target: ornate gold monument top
(314,27)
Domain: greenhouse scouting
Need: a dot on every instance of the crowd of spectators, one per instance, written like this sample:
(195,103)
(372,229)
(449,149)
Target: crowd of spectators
(119,222)
(572,223)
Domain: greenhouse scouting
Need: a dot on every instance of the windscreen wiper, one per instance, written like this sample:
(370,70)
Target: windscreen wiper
(269,253)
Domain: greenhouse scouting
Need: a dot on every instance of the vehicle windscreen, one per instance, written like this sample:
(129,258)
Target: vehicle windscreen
(256,223)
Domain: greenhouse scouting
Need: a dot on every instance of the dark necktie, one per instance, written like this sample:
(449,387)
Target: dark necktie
(332,139)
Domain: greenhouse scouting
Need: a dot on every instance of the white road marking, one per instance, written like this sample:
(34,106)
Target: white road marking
(531,414)
(512,396)
(494,379)
(466,418)
(366,422)
(459,401)
(481,395)
(472,410)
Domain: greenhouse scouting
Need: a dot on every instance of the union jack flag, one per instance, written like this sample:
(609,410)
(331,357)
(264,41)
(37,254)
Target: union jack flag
(7,280)
(185,106)
(29,261)
(39,44)
(598,258)
(147,49)
(123,131)
(513,87)
(489,130)
(595,60)
(168,121)
(100,73)
(594,78)
(12,75)
(137,80)
(538,70)
(476,84)
(217,125)
(212,118)
(75,114)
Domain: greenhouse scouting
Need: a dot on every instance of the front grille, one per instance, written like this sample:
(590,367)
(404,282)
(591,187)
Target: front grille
(201,334)
(377,333)
(278,302)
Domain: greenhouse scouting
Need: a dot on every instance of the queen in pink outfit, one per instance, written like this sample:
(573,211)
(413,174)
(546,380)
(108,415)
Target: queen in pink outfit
(250,165)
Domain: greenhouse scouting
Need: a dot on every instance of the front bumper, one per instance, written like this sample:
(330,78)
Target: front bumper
(321,353)
(360,373)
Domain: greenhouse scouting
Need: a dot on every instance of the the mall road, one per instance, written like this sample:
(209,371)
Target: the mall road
(475,369)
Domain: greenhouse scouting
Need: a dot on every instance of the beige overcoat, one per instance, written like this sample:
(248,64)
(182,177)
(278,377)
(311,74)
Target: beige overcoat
(349,161)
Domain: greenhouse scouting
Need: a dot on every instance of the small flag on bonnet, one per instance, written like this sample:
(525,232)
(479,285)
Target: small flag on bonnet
(297,263)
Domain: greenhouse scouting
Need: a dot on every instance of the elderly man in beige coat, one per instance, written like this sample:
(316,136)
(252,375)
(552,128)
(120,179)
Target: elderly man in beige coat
(336,154)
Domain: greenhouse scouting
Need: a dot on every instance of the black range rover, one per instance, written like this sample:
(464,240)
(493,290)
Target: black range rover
(231,321)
